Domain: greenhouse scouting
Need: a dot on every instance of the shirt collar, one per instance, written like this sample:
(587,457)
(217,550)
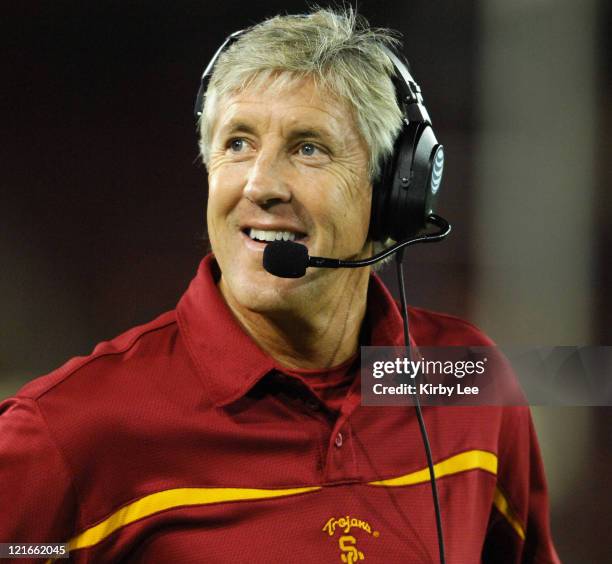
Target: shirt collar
(229,362)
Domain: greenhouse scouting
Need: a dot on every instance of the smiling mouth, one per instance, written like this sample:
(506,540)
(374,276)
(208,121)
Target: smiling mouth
(268,235)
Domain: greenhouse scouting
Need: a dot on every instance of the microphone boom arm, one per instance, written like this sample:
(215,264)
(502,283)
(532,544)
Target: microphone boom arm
(444,228)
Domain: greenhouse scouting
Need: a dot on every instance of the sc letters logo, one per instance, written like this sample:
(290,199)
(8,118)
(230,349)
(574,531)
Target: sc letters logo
(350,554)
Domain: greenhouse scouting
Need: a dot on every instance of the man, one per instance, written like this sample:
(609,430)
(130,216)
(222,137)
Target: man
(231,429)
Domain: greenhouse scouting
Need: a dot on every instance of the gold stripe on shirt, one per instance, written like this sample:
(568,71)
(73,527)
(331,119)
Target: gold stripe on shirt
(462,462)
(500,501)
(169,499)
(184,497)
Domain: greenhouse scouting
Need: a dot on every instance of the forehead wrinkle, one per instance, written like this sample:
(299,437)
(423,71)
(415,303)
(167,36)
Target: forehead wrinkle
(231,119)
(333,122)
(334,128)
(248,115)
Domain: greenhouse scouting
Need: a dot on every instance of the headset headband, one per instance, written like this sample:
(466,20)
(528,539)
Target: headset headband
(409,92)
(199,103)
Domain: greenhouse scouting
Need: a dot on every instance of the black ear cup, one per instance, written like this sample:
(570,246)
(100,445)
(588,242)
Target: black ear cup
(416,200)
(406,192)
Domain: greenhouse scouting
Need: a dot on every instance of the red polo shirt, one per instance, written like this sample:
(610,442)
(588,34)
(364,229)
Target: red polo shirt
(182,441)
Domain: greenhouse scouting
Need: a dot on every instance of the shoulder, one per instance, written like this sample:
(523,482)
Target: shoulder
(142,343)
(431,329)
(78,422)
(127,388)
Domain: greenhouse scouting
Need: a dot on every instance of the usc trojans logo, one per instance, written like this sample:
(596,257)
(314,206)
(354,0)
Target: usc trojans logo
(349,553)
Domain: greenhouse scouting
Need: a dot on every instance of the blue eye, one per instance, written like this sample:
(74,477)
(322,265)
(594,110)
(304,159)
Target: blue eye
(308,149)
(237,145)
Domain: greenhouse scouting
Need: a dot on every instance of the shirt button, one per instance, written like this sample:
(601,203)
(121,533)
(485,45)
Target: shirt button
(338,440)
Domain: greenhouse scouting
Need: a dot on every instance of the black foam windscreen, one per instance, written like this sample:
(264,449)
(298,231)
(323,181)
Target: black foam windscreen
(285,259)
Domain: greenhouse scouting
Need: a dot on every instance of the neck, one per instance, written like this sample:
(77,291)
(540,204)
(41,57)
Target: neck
(319,332)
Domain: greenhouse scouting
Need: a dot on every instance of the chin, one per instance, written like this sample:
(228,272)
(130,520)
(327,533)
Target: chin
(262,292)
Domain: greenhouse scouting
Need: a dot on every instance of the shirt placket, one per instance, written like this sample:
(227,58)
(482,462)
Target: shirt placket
(341,461)
(335,435)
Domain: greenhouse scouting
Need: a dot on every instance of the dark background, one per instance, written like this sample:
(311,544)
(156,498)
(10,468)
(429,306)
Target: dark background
(102,196)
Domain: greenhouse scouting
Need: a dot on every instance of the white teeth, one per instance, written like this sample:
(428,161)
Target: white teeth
(265,235)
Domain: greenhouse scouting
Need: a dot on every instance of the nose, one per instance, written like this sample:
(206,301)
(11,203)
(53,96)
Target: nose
(267,183)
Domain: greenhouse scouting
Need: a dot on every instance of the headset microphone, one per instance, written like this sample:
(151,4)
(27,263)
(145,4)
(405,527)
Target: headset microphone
(287,259)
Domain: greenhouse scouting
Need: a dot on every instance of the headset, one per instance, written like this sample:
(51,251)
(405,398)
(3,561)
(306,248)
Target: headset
(404,195)
(403,199)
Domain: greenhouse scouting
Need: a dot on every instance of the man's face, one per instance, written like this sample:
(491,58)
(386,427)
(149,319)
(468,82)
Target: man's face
(285,163)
